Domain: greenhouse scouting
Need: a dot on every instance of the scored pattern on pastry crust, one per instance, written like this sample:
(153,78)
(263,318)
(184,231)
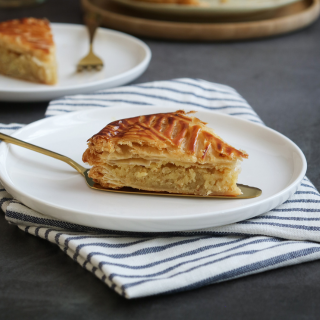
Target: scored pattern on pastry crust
(175,128)
(28,34)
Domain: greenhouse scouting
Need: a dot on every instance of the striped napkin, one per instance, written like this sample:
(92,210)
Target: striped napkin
(142,264)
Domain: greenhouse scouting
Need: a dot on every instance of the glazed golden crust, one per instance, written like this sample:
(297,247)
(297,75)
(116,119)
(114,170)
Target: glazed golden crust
(176,130)
(28,35)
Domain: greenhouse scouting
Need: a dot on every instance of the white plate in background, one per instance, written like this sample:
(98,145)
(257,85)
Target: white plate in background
(125,58)
(276,165)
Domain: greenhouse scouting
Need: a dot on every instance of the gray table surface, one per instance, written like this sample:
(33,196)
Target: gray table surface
(280,78)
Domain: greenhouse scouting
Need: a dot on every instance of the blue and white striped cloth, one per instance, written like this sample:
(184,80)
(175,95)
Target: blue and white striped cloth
(141,264)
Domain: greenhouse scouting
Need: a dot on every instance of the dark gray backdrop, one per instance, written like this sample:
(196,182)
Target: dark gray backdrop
(280,78)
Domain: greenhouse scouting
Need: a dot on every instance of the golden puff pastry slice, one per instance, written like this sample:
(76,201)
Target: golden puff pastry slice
(27,50)
(172,152)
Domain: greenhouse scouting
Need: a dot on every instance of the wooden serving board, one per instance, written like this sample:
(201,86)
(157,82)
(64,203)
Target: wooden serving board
(286,19)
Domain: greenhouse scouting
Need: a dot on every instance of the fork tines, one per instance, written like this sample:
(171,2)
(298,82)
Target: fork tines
(90,62)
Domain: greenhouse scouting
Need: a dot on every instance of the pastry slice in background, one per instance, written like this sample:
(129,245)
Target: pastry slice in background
(172,152)
(27,50)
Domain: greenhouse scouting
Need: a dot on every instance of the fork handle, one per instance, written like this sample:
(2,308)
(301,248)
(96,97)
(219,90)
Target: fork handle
(46,152)
(92,22)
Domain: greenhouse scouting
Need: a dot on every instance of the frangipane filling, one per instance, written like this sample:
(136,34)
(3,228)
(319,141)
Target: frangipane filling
(110,171)
(26,67)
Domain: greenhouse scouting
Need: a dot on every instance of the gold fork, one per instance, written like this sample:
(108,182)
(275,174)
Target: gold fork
(91,61)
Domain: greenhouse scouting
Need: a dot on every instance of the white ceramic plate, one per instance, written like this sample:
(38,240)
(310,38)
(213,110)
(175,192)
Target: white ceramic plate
(275,165)
(125,58)
(208,7)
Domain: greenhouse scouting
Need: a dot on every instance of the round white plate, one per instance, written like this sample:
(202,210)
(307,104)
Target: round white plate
(125,58)
(208,7)
(275,165)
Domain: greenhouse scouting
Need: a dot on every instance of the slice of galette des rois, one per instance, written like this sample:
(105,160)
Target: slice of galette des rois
(27,50)
(166,152)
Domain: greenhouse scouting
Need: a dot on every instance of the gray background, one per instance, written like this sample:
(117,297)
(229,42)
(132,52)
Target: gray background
(280,78)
